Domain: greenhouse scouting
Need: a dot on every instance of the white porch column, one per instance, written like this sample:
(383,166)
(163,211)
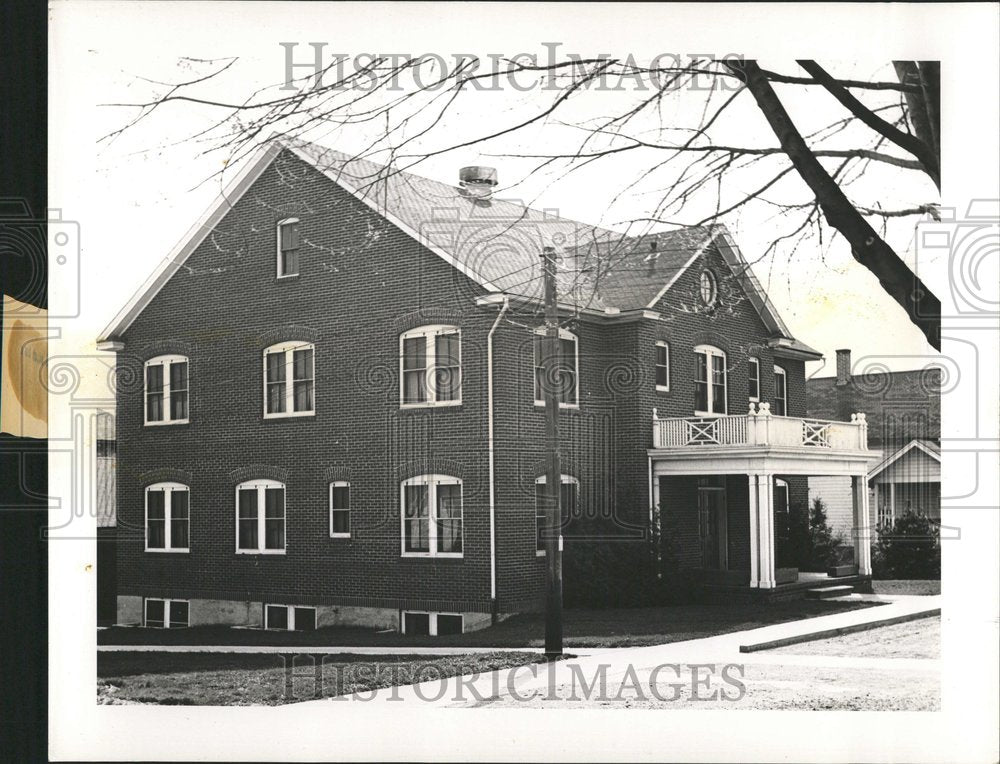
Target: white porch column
(765,506)
(761,531)
(862,525)
(754,530)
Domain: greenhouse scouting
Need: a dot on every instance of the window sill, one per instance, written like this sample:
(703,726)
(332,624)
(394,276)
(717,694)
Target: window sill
(709,414)
(662,389)
(430,405)
(287,276)
(422,556)
(277,552)
(293,415)
(169,551)
(340,535)
(569,406)
(167,423)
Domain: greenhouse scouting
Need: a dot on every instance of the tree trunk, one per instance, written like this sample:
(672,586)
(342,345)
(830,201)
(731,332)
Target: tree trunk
(867,247)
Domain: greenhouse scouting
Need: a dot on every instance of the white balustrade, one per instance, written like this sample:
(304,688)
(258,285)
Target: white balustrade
(760,428)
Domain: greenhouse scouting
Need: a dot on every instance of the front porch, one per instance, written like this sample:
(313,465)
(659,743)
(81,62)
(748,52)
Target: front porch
(733,473)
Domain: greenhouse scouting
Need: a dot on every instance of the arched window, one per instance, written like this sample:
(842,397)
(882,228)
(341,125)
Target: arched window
(430,366)
(708,288)
(780,392)
(260,517)
(166,390)
(753,376)
(168,518)
(288,247)
(568,491)
(289,380)
(432,516)
(566,383)
(710,385)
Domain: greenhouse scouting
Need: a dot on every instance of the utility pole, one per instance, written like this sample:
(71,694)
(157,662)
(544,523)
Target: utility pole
(551,378)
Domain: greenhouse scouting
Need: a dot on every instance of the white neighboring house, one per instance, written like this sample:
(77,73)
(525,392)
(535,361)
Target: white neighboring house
(903,411)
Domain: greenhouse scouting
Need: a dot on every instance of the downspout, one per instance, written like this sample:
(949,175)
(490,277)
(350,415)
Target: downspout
(492,461)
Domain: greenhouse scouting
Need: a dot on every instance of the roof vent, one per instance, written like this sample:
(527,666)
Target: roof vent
(477,182)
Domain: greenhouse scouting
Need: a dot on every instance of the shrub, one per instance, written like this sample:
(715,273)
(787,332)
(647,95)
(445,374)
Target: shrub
(908,548)
(805,540)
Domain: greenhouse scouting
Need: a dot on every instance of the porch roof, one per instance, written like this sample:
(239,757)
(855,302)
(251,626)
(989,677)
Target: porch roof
(749,460)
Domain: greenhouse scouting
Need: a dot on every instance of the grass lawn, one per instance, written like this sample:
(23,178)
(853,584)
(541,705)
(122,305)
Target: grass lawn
(906,587)
(215,679)
(626,627)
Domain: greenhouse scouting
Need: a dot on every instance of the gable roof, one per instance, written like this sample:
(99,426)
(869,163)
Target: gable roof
(496,243)
(929,447)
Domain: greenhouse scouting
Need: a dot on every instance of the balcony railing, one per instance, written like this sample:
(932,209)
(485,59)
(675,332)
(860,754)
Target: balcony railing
(760,427)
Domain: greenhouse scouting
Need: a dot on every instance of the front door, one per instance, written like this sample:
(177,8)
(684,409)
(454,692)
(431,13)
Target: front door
(712,527)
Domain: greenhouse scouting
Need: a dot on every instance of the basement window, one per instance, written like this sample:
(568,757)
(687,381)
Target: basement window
(165,614)
(432,624)
(289,618)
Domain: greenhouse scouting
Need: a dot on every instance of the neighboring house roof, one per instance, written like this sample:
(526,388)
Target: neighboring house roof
(900,405)
(496,243)
(929,447)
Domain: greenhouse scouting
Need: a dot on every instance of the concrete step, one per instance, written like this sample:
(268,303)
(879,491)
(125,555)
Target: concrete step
(826,592)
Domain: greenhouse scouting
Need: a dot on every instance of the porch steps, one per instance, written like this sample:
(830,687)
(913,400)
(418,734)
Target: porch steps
(827,592)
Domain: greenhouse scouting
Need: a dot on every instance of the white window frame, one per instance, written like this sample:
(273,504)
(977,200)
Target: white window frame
(754,364)
(656,366)
(779,372)
(339,484)
(260,485)
(432,627)
(288,349)
(709,351)
(168,489)
(432,481)
(564,334)
(165,361)
(290,610)
(429,333)
(713,283)
(277,260)
(166,612)
(541,480)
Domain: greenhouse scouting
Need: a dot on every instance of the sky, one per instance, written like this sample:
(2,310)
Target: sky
(134,197)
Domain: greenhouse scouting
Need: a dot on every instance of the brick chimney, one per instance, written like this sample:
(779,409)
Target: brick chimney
(843,367)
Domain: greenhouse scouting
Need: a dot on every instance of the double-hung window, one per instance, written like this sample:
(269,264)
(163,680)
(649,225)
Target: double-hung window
(168,518)
(166,390)
(260,517)
(780,392)
(753,374)
(430,365)
(432,516)
(662,366)
(340,509)
(566,378)
(567,507)
(710,391)
(289,370)
(288,247)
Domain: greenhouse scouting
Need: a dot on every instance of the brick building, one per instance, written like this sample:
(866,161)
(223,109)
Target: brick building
(328,404)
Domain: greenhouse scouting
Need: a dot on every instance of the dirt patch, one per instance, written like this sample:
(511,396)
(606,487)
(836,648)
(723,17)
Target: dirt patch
(913,639)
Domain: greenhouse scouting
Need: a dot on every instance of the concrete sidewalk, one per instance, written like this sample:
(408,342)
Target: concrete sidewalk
(559,680)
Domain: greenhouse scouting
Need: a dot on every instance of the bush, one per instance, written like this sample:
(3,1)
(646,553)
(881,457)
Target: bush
(805,540)
(908,548)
